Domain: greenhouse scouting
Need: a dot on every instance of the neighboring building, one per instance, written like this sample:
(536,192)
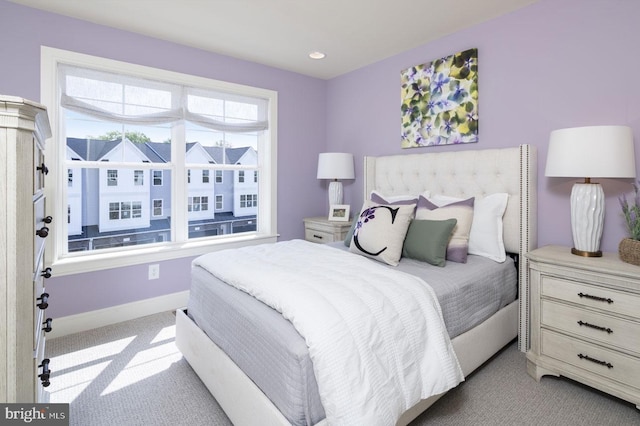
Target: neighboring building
(127,206)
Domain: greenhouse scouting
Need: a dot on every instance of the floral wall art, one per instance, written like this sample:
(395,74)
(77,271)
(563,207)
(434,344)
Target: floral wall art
(440,101)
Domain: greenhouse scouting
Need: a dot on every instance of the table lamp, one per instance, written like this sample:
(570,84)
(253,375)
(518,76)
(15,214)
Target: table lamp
(335,165)
(590,152)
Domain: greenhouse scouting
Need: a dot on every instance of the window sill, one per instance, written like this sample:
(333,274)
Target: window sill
(99,261)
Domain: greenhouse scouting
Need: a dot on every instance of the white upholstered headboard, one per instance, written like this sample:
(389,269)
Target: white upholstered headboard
(466,174)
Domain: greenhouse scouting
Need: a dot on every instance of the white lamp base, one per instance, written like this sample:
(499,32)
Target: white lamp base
(587,218)
(335,192)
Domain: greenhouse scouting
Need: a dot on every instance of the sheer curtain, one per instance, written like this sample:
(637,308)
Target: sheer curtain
(131,100)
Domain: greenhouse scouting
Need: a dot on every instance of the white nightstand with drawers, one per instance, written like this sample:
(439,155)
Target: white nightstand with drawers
(585,320)
(322,230)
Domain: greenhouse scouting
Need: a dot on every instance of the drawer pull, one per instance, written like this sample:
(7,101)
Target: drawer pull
(599,299)
(47,325)
(597,361)
(317,236)
(597,327)
(43,168)
(47,219)
(44,304)
(46,273)
(46,373)
(42,232)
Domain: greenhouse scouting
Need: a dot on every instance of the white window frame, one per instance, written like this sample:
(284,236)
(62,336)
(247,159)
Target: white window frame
(153,178)
(56,180)
(138,177)
(153,207)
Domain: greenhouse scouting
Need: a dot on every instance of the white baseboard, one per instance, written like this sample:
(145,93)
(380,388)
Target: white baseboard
(115,314)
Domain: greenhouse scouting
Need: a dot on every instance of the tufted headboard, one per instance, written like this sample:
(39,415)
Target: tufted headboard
(472,173)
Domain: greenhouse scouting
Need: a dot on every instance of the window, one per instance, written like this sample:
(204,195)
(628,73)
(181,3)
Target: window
(241,176)
(157,208)
(112,178)
(138,177)
(69,177)
(127,120)
(250,200)
(157,178)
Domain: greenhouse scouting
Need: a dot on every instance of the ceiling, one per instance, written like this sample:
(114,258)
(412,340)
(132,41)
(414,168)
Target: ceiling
(281,33)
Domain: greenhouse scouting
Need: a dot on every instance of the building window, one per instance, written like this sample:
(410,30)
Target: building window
(157,208)
(157,178)
(114,211)
(136,209)
(198,204)
(249,200)
(145,120)
(255,177)
(241,176)
(112,178)
(188,176)
(138,177)
(218,202)
(125,210)
(69,177)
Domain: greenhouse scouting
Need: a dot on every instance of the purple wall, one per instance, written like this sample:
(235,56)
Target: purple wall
(301,133)
(554,64)
(557,63)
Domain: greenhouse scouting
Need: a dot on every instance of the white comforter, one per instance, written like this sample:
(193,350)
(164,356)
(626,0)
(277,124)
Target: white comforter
(376,336)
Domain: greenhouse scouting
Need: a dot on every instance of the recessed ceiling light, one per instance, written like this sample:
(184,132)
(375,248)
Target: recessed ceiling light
(317,55)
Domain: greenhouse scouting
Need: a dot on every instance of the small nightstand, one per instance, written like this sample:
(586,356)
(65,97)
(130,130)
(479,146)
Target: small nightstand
(323,230)
(585,320)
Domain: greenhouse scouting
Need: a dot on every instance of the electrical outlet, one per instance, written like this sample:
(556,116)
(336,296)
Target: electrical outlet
(154,272)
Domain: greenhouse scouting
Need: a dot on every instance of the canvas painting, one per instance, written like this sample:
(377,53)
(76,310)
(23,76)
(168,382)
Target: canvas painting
(440,101)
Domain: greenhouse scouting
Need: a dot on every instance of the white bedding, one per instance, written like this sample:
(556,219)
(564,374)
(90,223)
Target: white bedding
(375,335)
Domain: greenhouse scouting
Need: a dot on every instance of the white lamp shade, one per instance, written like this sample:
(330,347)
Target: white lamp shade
(593,151)
(335,165)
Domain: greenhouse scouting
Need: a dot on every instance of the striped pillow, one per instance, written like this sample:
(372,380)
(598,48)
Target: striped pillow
(462,211)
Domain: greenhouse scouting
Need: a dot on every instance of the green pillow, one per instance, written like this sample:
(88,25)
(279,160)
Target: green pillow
(427,240)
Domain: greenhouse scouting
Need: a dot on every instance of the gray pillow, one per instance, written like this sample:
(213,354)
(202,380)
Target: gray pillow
(427,240)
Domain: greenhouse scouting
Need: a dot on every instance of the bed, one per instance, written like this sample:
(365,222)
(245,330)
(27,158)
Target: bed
(463,174)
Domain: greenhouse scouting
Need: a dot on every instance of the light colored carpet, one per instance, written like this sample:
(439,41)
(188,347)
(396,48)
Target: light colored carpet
(132,374)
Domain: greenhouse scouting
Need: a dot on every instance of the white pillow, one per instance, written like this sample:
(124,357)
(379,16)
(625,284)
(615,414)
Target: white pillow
(486,235)
(380,231)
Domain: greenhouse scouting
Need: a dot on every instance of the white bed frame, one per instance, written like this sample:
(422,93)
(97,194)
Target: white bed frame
(459,173)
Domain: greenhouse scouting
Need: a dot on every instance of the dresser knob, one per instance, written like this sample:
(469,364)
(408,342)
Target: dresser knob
(44,304)
(597,361)
(46,373)
(46,273)
(596,327)
(47,219)
(43,168)
(42,232)
(47,325)
(598,298)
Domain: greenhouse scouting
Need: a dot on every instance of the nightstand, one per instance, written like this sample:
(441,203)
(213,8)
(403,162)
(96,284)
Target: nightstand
(585,320)
(323,230)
